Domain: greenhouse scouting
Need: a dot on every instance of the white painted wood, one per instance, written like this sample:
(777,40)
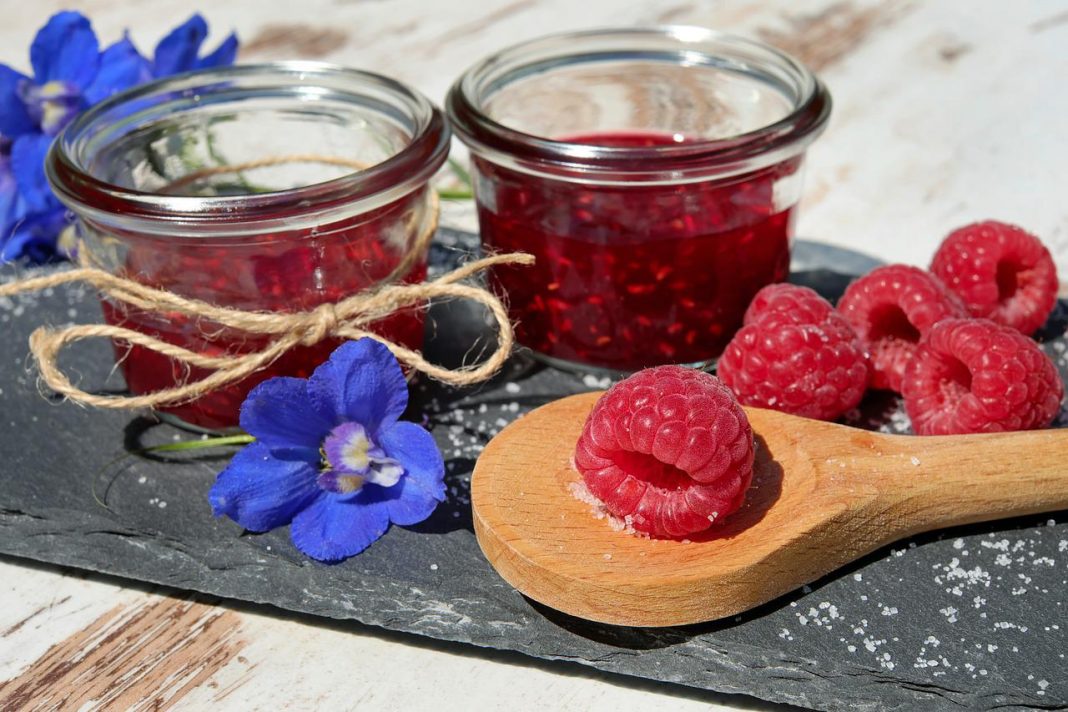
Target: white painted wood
(945,113)
(302,664)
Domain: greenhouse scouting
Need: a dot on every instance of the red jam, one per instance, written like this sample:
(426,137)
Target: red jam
(230,187)
(630,277)
(288,271)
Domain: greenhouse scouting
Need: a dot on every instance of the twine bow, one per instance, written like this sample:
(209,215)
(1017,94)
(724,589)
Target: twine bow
(345,319)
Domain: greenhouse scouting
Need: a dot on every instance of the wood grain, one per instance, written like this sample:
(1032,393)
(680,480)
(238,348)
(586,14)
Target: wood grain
(17,625)
(293,41)
(823,495)
(831,34)
(146,656)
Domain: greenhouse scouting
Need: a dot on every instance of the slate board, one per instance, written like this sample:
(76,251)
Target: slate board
(973,617)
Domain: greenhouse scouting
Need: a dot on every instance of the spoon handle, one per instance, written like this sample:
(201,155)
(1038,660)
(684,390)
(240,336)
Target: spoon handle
(944,481)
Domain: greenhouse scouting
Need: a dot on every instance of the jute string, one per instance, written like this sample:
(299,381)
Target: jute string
(345,319)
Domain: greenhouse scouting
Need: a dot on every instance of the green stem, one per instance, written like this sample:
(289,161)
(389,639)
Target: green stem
(460,172)
(455,194)
(243,439)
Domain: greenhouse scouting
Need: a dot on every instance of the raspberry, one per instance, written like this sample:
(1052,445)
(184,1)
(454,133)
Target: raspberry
(668,450)
(795,354)
(1001,272)
(973,376)
(802,303)
(890,308)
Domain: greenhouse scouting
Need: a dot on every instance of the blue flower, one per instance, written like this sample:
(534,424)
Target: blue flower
(331,458)
(34,237)
(12,206)
(70,73)
(177,52)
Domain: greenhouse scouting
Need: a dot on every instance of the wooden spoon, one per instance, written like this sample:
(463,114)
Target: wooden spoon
(823,495)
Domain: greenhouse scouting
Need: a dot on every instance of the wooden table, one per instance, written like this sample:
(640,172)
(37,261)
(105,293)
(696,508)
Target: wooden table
(945,113)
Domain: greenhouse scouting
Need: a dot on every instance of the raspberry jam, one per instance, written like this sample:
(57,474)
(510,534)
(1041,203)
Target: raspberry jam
(653,173)
(283,272)
(629,277)
(272,188)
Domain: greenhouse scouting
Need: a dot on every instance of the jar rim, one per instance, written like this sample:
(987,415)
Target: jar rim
(406,170)
(490,138)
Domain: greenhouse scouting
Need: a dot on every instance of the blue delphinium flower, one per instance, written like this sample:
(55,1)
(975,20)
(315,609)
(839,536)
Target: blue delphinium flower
(178,51)
(331,458)
(12,206)
(70,73)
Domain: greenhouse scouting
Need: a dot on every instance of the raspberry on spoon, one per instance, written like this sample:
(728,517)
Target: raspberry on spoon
(668,450)
(1001,272)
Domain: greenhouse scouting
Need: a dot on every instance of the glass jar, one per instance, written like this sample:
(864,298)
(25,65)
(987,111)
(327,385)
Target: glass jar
(654,174)
(273,187)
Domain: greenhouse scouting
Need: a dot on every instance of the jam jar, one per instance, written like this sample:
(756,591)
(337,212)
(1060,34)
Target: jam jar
(274,187)
(654,174)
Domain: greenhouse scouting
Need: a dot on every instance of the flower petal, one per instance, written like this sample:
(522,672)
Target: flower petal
(281,415)
(12,206)
(361,382)
(177,52)
(121,67)
(14,119)
(223,56)
(34,237)
(66,50)
(332,529)
(261,492)
(423,484)
(27,165)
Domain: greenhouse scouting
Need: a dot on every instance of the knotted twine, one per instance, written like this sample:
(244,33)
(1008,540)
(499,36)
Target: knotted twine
(345,319)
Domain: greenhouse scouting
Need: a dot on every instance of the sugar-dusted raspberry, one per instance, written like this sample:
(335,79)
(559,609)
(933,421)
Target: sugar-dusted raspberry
(803,305)
(797,355)
(1001,272)
(668,450)
(974,376)
(890,308)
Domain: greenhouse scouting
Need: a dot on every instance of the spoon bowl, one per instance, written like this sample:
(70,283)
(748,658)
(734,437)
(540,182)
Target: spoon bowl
(823,495)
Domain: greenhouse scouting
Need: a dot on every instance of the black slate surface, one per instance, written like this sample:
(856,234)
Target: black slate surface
(973,618)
